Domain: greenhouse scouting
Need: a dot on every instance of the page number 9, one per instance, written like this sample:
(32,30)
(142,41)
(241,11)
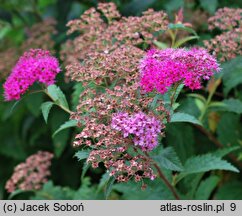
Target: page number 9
(232,206)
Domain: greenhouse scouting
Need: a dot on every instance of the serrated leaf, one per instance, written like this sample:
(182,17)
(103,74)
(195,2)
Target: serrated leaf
(82,154)
(205,163)
(233,105)
(86,191)
(184,117)
(103,181)
(169,159)
(45,108)
(52,192)
(85,167)
(206,187)
(68,124)
(109,186)
(224,151)
(156,190)
(57,95)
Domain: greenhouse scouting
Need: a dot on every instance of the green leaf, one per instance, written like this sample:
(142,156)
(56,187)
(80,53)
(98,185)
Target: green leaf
(209,5)
(190,106)
(206,187)
(191,183)
(52,192)
(87,191)
(169,159)
(224,151)
(232,190)
(205,163)
(198,96)
(154,103)
(233,105)
(184,117)
(217,104)
(60,142)
(17,192)
(33,102)
(173,5)
(82,154)
(160,45)
(68,124)
(181,137)
(229,129)
(156,190)
(85,167)
(57,95)
(78,89)
(109,186)
(178,91)
(45,108)
(232,74)
(44,3)
(136,6)
(103,181)
(180,26)
(184,40)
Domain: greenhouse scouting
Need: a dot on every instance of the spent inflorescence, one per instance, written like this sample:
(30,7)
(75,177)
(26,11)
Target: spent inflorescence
(101,32)
(35,65)
(105,58)
(31,174)
(228,44)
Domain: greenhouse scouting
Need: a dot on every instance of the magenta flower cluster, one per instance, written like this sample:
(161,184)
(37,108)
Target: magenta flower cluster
(160,69)
(143,128)
(34,65)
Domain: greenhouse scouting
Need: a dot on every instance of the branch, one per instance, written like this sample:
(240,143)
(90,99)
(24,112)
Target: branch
(162,176)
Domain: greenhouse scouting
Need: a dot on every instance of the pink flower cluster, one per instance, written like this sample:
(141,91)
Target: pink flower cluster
(31,174)
(34,65)
(145,129)
(160,69)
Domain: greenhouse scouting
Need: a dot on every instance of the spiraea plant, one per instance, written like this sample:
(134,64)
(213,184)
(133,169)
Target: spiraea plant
(130,92)
(129,84)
